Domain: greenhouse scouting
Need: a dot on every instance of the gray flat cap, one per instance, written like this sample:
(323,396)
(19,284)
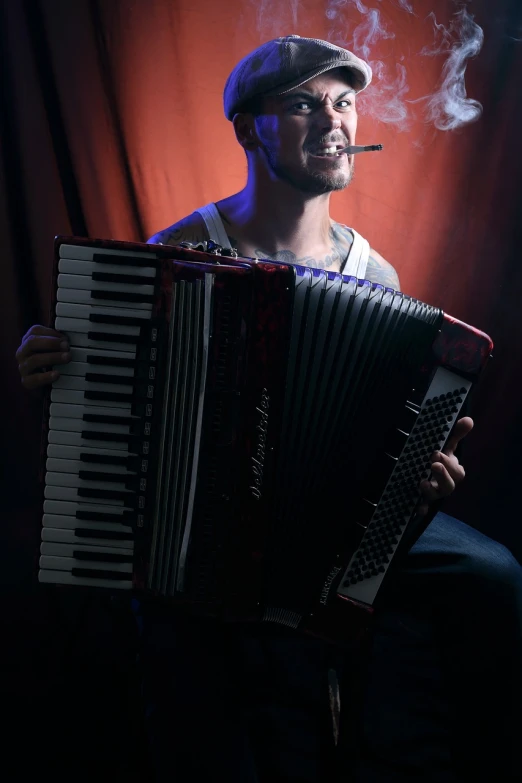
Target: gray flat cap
(284,63)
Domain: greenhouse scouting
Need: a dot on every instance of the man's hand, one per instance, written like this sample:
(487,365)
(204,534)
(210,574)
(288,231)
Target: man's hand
(41,348)
(446,469)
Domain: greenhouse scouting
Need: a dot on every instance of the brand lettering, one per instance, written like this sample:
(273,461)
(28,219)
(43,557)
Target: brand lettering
(258,458)
(328,583)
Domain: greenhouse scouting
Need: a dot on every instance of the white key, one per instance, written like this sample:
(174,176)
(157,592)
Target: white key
(74,452)
(65,549)
(83,326)
(77,411)
(80,340)
(81,354)
(56,577)
(83,311)
(57,423)
(72,480)
(74,466)
(64,438)
(68,536)
(68,509)
(74,267)
(83,296)
(52,492)
(78,383)
(82,368)
(87,283)
(50,562)
(78,398)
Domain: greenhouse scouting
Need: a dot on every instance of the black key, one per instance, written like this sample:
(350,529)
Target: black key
(126,518)
(123,296)
(108,396)
(102,418)
(101,574)
(114,260)
(84,532)
(110,362)
(123,320)
(99,377)
(107,337)
(102,557)
(111,277)
(107,494)
(131,463)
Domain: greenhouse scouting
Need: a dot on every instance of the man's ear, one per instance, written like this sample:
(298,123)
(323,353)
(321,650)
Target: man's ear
(245,130)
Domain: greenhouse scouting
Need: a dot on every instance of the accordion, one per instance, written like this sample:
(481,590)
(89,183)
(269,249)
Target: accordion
(242,438)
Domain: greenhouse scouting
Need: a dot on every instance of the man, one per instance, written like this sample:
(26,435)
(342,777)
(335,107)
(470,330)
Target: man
(252,704)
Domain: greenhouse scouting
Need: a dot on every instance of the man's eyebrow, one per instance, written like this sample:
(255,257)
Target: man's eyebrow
(311,97)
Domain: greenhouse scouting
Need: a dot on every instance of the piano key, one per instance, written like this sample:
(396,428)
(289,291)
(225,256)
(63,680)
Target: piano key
(51,562)
(80,511)
(81,369)
(79,398)
(79,412)
(57,423)
(75,466)
(65,578)
(87,551)
(52,492)
(79,383)
(82,340)
(79,282)
(76,267)
(95,535)
(83,326)
(95,439)
(71,480)
(69,310)
(83,296)
(95,356)
(144,257)
(74,452)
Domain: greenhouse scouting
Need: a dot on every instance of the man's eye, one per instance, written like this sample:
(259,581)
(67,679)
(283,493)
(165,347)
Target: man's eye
(344,104)
(302,106)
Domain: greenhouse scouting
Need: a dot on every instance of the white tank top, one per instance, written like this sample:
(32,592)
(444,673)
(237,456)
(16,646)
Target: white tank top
(354,265)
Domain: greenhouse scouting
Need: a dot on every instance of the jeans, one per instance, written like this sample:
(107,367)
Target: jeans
(435,695)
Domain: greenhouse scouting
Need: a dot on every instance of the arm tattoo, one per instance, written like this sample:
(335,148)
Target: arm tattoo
(380,271)
(186,230)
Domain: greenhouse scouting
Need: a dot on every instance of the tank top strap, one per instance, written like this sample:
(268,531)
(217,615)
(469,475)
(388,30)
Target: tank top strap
(216,229)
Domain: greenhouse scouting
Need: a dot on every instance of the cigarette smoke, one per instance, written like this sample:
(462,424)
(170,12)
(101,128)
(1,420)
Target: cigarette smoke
(364,30)
(449,107)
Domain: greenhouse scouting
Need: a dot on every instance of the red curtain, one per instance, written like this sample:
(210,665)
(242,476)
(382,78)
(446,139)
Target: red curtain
(112,126)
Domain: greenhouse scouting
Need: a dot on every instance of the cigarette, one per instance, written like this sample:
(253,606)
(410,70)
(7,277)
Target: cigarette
(355,148)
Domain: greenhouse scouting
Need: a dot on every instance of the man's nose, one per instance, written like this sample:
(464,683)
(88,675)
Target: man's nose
(329,119)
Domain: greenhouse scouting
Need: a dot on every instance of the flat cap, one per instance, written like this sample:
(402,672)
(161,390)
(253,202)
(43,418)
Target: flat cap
(280,65)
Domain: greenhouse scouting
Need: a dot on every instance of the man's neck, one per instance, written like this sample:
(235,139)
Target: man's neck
(273,218)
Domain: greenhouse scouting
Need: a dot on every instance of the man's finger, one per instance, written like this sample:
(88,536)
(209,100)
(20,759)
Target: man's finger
(35,381)
(40,360)
(36,344)
(462,428)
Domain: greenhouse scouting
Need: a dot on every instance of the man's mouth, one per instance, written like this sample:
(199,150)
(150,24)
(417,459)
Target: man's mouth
(328,151)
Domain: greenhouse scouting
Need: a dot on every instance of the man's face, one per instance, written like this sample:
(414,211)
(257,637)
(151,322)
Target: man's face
(297,128)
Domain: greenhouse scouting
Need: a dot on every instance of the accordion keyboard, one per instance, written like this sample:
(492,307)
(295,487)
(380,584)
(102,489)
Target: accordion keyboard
(97,453)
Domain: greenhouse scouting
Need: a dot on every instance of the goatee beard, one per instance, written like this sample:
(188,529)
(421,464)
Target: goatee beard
(314,182)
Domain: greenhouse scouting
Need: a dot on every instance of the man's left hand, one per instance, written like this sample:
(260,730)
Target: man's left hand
(447,471)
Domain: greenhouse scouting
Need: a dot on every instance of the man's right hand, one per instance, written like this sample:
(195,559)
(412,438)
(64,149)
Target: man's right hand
(41,348)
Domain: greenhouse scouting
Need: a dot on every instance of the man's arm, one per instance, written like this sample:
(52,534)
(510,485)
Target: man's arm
(189,229)
(380,271)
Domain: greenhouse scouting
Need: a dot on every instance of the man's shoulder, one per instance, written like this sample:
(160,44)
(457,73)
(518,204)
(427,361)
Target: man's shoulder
(191,228)
(378,270)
